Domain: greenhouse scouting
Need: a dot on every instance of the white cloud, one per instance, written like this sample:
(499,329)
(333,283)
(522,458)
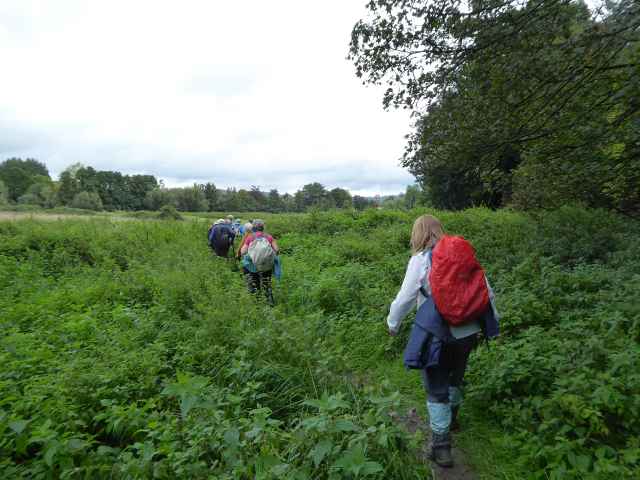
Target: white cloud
(238,93)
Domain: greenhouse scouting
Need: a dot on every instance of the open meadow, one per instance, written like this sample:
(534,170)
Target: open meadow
(128,351)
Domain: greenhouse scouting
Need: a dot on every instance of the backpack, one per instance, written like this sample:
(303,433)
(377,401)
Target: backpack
(457,281)
(261,254)
(222,236)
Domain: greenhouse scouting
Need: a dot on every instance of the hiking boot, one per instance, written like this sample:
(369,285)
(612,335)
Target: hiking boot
(455,425)
(440,451)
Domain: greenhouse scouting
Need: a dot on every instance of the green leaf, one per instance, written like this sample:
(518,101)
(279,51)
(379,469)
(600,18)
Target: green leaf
(18,426)
(50,452)
(187,403)
(232,437)
(280,470)
(383,439)
(328,403)
(106,451)
(320,451)
(265,463)
(76,444)
(371,468)
(355,462)
(343,425)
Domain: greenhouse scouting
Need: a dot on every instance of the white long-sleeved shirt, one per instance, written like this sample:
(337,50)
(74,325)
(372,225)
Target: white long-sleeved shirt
(417,276)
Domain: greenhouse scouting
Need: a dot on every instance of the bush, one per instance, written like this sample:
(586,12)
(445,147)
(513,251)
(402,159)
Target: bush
(29,199)
(128,351)
(87,201)
(169,212)
(142,363)
(4,193)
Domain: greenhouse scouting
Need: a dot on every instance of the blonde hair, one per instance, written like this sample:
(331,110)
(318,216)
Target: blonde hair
(427,230)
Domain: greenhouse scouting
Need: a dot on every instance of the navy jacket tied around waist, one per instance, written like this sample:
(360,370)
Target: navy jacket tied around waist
(430,332)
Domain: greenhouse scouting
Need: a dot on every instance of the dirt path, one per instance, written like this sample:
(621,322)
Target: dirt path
(412,422)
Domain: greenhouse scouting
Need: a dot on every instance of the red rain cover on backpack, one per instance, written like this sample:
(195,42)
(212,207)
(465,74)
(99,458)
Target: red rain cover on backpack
(457,281)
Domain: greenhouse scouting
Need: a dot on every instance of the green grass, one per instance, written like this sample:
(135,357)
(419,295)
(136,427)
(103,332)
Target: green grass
(128,351)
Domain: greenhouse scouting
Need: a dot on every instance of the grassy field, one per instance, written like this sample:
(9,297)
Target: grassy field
(128,351)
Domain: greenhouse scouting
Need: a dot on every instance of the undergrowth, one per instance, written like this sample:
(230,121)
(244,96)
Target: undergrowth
(128,351)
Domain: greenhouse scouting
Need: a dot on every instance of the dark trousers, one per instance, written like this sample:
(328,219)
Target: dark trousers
(450,372)
(222,250)
(260,282)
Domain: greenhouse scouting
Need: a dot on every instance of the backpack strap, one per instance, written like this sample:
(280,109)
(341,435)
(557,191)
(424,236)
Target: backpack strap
(422,290)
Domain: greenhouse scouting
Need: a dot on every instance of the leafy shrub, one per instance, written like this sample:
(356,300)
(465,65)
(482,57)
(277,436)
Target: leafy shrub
(4,193)
(169,212)
(572,234)
(127,351)
(87,201)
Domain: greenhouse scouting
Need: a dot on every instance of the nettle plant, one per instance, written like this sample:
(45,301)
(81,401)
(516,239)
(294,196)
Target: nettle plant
(128,351)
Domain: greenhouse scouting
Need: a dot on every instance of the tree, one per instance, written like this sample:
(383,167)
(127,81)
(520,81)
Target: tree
(229,200)
(42,193)
(113,190)
(69,186)
(259,198)
(4,193)
(509,85)
(87,201)
(211,194)
(88,180)
(413,197)
(48,196)
(116,191)
(190,199)
(245,201)
(288,202)
(274,202)
(18,175)
(137,187)
(360,202)
(394,202)
(341,198)
(158,198)
(298,201)
(311,194)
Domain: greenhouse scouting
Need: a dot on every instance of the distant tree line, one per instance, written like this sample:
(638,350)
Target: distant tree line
(28,182)
(530,103)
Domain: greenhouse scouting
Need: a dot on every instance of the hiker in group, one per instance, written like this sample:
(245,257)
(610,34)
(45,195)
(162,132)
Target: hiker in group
(230,220)
(247,229)
(455,303)
(221,238)
(259,252)
(238,228)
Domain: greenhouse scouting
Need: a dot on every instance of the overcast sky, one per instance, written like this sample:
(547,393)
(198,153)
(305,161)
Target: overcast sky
(238,93)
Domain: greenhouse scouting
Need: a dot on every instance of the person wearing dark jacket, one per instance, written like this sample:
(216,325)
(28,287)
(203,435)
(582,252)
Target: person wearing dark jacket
(440,350)
(221,238)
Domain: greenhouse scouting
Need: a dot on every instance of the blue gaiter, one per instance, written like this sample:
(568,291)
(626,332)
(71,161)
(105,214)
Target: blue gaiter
(439,417)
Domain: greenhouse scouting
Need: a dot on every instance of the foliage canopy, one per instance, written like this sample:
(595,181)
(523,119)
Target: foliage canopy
(534,101)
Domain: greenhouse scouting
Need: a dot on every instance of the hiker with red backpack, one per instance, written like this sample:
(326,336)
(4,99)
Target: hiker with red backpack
(259,252)
(455,303)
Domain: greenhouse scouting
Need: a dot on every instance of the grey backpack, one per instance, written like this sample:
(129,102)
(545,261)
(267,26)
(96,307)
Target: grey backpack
(262,254)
